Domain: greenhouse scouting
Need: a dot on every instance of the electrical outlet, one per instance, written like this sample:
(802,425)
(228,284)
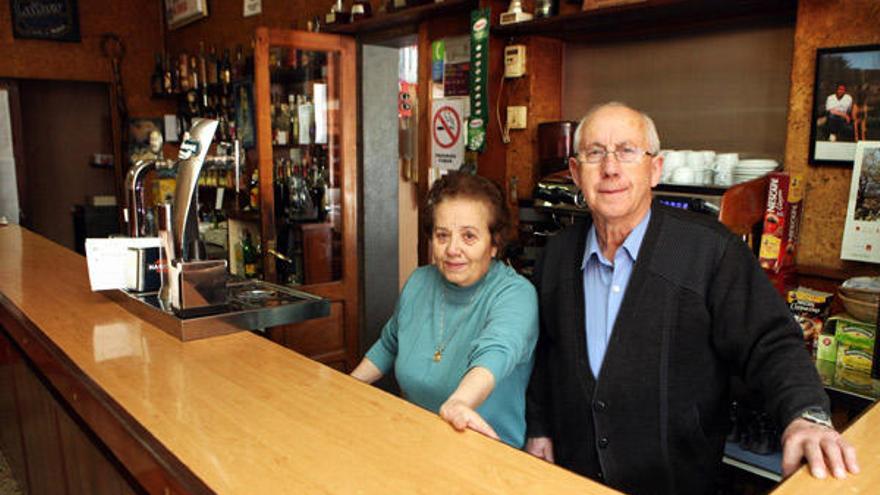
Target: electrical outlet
(516,117)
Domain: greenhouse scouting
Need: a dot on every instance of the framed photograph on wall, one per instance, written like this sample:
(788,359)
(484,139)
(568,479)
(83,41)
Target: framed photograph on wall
(55,20)
(182,12)
(861,233)
(846,100)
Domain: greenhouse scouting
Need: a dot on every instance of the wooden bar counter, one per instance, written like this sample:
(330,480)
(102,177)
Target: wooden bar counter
(229,414)
(94,400)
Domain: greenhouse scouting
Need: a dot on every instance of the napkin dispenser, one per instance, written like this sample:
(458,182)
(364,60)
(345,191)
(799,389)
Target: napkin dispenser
(143,269)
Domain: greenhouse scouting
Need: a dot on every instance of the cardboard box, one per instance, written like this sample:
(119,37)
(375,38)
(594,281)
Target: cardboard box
(826,349)
(782,218)
(810,309)
(855,342)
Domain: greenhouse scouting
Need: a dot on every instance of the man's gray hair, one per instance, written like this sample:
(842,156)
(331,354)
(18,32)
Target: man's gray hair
(651,135)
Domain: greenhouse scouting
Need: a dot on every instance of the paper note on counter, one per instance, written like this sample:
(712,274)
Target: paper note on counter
(108,258)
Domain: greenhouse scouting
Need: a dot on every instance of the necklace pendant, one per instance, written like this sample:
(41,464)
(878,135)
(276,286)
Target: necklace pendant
(437,356)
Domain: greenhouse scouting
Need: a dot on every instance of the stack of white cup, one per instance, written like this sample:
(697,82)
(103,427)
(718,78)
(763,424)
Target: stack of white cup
(703,167)
(725,165)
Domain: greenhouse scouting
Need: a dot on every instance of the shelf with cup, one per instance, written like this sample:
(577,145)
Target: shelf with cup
(654,18)
(405,19)
(692,189)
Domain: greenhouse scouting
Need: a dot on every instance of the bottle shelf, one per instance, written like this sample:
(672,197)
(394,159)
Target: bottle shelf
(655,18)
(406,18)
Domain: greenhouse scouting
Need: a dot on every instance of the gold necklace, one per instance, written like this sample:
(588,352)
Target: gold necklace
(441,346)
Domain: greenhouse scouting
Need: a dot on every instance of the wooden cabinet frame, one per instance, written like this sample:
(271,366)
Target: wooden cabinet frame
(347,289)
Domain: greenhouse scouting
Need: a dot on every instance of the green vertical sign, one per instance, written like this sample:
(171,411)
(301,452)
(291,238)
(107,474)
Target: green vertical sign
(478,80)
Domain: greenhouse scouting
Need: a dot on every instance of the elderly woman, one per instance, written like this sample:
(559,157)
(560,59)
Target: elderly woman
(462,336)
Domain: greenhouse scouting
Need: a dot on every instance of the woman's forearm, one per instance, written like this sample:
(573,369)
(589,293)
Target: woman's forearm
(474,388)
(366,371)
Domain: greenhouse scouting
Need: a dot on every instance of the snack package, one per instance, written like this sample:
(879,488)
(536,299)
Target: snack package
(810,309)
(855,342)
(781,221)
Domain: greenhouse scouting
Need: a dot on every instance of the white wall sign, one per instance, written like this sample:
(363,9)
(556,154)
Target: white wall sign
(182,12)
(252,7)
(861,233)
(447,133)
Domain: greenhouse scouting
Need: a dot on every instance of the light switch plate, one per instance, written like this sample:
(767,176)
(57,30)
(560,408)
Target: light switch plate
(516,117)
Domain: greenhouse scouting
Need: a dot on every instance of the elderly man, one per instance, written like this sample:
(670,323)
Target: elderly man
(646,312)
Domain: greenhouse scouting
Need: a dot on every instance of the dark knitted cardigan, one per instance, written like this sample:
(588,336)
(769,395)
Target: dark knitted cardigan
(698,309)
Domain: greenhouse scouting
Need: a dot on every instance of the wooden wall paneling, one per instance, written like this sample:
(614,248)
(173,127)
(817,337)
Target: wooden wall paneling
(86,470)
(430,31)
(540,91)
(11,440)
(146,462)
(820,25)
(319,336)
(42,448)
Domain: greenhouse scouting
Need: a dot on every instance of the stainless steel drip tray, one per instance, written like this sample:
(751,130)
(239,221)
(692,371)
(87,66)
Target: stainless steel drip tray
(251,305)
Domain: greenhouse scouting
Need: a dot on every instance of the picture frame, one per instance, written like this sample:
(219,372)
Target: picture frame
(179,13)
(846,99)
(861,232)
(54,20)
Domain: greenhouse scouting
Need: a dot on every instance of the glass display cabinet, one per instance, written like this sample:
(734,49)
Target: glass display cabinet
(307,176)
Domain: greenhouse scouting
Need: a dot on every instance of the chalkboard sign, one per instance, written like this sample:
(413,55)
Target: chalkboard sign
(45,19)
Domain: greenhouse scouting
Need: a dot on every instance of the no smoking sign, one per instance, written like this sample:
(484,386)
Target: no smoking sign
(447,138)
(447,127)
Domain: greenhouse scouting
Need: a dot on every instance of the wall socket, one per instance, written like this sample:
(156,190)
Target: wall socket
(516,117)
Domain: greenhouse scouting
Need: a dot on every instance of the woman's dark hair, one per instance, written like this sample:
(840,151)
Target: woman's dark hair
(464,185)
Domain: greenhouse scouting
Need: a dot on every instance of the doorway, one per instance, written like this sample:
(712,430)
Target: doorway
(64,124)
(390,209)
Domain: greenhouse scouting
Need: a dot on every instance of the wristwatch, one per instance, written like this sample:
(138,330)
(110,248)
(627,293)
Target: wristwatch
(818,416)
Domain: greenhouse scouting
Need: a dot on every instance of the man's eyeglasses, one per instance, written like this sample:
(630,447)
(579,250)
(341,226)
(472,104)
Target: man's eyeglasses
(624,154)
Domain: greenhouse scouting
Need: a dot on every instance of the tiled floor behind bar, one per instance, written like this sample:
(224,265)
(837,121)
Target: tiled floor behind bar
(8,486)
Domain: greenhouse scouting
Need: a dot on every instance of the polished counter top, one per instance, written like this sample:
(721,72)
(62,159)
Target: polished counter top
(244,415)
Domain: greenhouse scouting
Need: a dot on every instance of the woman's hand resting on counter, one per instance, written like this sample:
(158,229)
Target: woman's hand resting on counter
(461,416)
(459,408)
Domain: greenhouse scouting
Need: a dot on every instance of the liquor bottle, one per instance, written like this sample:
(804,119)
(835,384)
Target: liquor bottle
(157,85)
(226,68)
(238,66)
(249,255)
(183,72)
(203,66)
(167,76)
(292,102)
(305,121)
(254,190)
(212,65)
(194,80)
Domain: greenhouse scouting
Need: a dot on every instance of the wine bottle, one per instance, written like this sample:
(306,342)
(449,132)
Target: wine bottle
(157,79)
(249,255)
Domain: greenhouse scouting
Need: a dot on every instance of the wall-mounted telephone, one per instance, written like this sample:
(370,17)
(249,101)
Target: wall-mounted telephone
(514,60)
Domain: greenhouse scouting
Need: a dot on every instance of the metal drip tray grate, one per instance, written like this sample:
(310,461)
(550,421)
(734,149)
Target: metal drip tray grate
(250,305)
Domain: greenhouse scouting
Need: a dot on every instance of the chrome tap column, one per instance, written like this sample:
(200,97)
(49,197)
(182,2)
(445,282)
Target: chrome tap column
(190,286)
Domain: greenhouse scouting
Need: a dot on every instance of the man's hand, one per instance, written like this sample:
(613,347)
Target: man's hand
(823,448)
(461,416)
(541,447)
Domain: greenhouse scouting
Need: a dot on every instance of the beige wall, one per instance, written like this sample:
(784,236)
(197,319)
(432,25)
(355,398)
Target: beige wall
(823,24)
(725,91)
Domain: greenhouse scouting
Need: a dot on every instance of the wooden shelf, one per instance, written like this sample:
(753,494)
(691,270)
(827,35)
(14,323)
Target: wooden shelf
(407,18)
(691,189)
(654,18)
